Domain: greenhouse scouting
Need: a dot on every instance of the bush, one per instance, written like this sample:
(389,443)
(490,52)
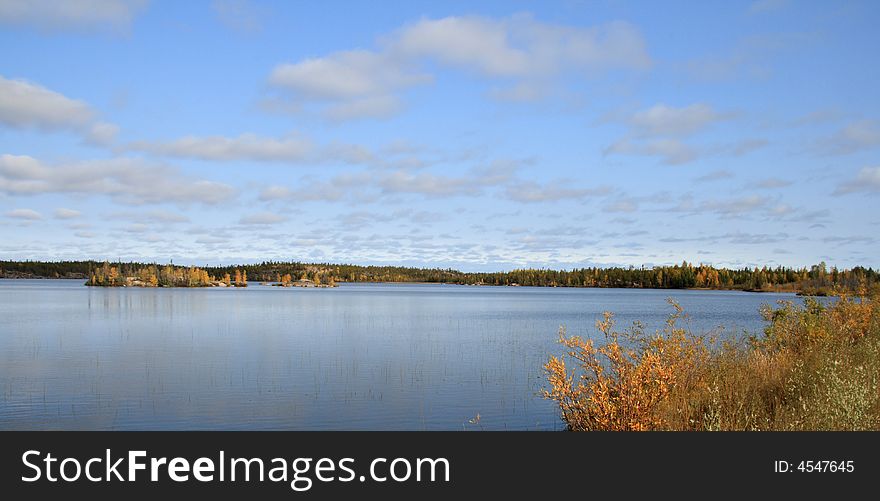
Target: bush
(815,368)
(623,382)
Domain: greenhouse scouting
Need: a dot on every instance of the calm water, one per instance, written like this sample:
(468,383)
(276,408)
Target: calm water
(361,356)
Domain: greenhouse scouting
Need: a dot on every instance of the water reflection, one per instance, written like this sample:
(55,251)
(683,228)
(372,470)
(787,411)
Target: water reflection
(362,356)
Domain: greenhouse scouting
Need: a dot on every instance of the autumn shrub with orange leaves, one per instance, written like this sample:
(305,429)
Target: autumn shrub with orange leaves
(815,367)
(622,383)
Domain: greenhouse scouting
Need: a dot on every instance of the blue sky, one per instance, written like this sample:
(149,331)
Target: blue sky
(478,135)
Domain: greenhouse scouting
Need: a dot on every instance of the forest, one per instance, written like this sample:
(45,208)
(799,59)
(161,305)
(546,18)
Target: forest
(818,279)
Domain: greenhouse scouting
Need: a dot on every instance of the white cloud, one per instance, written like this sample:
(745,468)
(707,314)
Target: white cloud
(360,219)
(664,120)
(356,184)
(820,216)
(520,45)
(428,184)
(26,105)
(659,130)
(292,149)
(714,176)
(20,168)
(421,217)
(734,206)
(356,83)
(127,180)
(856,136)
(62,213)
(371,184)
(262,218)
(431,185)
(724,207)
(162,217)
(671,151)
(745,146)
(753,238)
(866,181)
(102,133)
(622,205)
(348,153)
(530,191)
(818,117)
(771,183)
(781,210)
(70,14)
(367,83)
(474,42)
(24,214)
(368,107)
(275,193)
(343,75)
(244,147)
(136,228)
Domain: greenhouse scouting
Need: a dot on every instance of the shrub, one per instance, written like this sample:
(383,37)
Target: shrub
(815,368)
(622,383)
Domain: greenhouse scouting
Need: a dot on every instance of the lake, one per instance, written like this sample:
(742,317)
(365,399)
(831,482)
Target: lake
(360,356)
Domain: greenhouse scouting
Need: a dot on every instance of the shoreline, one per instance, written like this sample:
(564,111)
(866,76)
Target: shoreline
(816,280)
(798,292)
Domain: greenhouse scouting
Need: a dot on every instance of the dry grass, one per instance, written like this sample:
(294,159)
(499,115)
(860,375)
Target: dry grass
(814,368)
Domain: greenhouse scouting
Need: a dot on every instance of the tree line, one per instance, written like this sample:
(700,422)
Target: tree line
(816,279)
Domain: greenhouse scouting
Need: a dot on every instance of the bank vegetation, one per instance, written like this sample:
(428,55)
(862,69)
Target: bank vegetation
(815,367)
(816,280)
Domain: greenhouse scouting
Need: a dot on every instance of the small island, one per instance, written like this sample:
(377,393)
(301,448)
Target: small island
(316,281)
(152,275)
(169,275)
